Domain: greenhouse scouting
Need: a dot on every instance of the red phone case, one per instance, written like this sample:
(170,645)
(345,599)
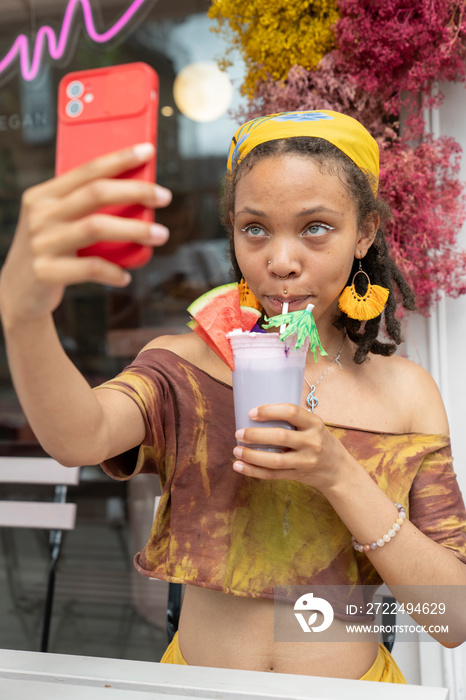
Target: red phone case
(103,110)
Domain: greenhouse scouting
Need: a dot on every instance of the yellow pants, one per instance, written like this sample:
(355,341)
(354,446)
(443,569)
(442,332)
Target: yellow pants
(384,668)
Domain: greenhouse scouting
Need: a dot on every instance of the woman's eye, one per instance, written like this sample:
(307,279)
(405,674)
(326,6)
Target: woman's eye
(317,230)
(254,231)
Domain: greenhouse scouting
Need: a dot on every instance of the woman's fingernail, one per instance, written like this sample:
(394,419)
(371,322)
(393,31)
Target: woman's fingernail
(159,233)
(252,413)
(163,195)
(238,466)
(239,435)
(238,451)
(144,150)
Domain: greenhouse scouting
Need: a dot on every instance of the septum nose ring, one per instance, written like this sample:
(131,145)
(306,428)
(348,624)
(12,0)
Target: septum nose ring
(279,276)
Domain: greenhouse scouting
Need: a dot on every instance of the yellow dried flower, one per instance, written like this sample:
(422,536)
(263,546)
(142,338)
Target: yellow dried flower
(274,35)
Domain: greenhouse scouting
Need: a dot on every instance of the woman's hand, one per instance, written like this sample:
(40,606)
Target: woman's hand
(312,455)
(58,217)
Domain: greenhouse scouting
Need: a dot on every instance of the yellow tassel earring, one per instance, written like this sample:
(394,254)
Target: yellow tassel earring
(369,305)
(246,297)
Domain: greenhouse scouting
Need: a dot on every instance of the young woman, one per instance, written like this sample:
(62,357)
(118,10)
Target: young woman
(300,205)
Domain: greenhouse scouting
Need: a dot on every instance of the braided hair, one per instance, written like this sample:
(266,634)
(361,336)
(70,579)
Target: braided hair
(378,264)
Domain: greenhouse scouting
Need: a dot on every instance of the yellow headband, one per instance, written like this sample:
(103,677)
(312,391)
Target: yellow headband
(344,132)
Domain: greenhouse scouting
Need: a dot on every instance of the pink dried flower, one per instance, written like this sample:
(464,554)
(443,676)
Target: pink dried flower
(324,88)
(422,187)
(391,54)
(393,46)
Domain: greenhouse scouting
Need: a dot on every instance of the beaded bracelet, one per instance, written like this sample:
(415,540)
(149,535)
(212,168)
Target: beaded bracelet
(385,538)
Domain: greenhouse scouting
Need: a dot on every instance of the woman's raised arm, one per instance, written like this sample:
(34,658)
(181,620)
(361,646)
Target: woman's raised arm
(57,219)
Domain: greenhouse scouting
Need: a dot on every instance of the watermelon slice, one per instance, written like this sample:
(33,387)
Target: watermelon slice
(249,317)
(218,312)
(198,330)
(218,309)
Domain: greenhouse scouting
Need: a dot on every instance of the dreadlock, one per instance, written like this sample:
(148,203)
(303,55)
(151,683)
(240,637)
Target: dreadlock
(378,264)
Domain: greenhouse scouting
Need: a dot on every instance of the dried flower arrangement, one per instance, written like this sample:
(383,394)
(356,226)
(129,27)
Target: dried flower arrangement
(374,60)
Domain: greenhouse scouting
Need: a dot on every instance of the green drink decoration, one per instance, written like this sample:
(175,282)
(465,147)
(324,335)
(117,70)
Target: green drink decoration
(300,323)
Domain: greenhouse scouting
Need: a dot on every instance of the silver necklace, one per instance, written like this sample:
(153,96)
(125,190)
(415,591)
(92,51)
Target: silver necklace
(311,400)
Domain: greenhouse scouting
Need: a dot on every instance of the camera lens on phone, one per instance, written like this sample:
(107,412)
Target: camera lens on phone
(74,108)
(75,89)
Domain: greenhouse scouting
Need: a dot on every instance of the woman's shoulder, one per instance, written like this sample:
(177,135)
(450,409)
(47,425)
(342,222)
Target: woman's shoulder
(414,390)
(191,348)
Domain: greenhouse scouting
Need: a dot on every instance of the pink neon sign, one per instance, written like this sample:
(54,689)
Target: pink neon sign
(57,48)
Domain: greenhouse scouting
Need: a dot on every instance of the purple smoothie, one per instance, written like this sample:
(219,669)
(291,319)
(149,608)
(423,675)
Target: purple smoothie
(267,370)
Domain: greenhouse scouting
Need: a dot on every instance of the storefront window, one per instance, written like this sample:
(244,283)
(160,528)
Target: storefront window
(102,328)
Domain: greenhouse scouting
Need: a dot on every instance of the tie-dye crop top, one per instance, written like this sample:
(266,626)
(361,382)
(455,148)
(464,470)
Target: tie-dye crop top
(222,530)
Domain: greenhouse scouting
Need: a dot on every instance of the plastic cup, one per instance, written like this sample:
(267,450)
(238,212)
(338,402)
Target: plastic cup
(267,370)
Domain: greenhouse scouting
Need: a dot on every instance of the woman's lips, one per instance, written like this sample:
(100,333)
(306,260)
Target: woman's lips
(294,302)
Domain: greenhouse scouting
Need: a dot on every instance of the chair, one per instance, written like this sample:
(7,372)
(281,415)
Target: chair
(174,601)
(385,596)
(175,591)
(55,515)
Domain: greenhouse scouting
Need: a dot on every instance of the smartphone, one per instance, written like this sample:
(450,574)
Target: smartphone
(103,110)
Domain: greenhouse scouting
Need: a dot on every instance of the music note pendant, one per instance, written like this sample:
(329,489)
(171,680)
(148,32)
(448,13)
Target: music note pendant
(312,401)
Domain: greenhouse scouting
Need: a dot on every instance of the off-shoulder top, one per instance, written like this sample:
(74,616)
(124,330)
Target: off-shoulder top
(219,529)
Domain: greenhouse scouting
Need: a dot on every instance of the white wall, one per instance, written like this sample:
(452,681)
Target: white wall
(453,123)
(438,344)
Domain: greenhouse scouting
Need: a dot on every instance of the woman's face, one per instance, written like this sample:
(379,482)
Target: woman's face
(293,220)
